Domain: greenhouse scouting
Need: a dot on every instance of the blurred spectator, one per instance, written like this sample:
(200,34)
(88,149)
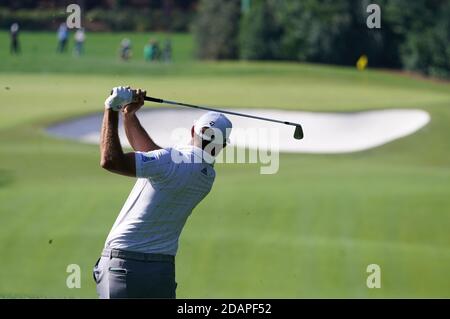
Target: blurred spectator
(125,49)
(63,34)
(156,51)
(148,51)
(167,51)
(152,51)
(15,48)
(80,36)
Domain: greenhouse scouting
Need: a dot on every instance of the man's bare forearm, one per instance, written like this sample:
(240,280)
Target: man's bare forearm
(136,134)
(110,149)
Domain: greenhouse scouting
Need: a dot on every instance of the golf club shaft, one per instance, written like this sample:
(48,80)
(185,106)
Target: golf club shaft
(157,100)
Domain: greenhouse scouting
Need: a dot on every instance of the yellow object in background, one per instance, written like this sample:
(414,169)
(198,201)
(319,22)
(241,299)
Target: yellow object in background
(361,64)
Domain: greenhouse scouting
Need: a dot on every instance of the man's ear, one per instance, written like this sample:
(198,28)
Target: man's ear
(192,131)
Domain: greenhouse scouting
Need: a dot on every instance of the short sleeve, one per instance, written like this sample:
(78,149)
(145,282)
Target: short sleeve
(154,164)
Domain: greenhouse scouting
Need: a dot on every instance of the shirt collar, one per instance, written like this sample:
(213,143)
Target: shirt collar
(207,158)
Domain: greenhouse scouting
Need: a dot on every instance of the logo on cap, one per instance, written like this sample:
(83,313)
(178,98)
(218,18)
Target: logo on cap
(212,123)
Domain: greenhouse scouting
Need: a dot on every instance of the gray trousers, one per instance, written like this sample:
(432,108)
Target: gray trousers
(125,278)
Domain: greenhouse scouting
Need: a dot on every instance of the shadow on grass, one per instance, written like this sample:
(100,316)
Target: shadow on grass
(6,178)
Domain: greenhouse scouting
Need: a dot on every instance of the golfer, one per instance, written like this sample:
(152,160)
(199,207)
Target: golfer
(138,260)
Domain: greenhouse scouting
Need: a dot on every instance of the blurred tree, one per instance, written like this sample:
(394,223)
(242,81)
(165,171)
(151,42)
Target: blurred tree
(117,4)
(260,32)
(413,34)
(167,9)
(101,15)
(90,4)
(216,29)
(315,30)
(427,42)
(14,4)
(245,5)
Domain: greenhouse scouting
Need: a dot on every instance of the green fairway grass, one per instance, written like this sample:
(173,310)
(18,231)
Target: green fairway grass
(309,231)
(38,53)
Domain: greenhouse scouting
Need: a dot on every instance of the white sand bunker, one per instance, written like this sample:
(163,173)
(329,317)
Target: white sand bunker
(324,132)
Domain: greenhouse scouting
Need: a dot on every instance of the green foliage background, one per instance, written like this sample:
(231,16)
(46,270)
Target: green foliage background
(414,35)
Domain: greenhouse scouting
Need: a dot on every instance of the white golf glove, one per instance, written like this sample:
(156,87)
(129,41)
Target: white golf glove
(120,96)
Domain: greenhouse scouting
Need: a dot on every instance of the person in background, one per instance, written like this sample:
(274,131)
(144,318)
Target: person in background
(156,51)
(63,34)
(167,51)
(125,49)
(148,51)
(80,36)
(14,32)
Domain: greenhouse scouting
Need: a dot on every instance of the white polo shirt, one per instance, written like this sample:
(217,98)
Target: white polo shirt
(171,182)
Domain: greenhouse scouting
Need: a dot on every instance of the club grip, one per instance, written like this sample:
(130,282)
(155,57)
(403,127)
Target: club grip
(150,99)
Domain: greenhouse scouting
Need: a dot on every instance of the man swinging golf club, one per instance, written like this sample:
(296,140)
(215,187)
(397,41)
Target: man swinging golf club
(138,260)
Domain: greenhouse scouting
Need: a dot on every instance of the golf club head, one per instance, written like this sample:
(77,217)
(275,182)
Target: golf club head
(298,134)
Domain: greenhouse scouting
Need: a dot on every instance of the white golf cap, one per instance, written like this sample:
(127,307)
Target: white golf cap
(220,124)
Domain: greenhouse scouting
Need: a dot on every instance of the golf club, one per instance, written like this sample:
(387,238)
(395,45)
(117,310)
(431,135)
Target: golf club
(298,133)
